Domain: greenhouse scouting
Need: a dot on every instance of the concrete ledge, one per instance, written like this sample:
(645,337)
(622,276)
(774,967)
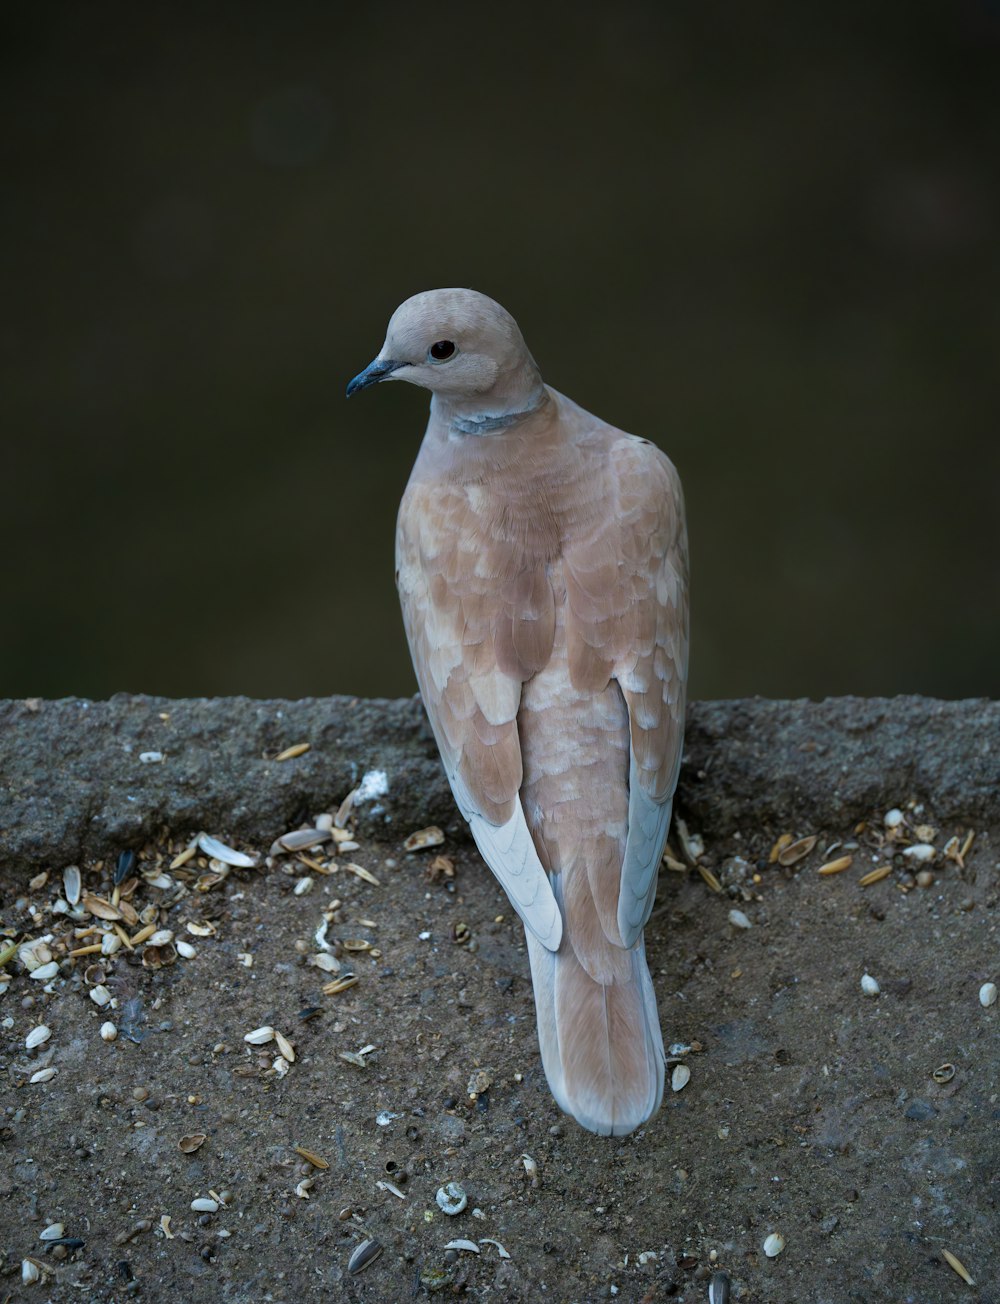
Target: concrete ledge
(72,783)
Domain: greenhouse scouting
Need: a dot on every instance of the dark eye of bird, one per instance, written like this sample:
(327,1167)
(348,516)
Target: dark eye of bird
(441,350)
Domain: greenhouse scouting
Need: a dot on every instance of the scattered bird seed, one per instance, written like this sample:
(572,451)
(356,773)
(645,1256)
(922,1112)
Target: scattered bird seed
(365,1254)
(391,1188)
(124,867)
(189,1144)
(311,1158)
(290,753)
(718,1288)
(160,938)
(875,875)
(340,984)
(385,1116)
(836,866)
(303,886)
(469,1247)
(988,995)
(774,1244)
(451,1198)
(531,1169)
(30,1272)
(45,971)
(43,1075)
(958,1266)
(260,1036)
(680,1077)
(921,852)
(943,1073)
(739,920)
(219,851)
(205,1205)
(325,961)
(201,930)
(71,884)
(692,844)
(100,995)
(108,1031)
(709,878)
(424,838)
(285,1046)
(893,818)
(869,985)
(360,872)
(54,1232)
(796,851)
(186,950)
(37,1036)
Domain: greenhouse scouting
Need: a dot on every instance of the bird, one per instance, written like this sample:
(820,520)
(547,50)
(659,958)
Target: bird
(542,570)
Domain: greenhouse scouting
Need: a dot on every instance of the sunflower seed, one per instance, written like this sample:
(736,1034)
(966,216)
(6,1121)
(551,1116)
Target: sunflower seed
(340,984)
(30,1272)
(680,1077)
(204,1205)
(37,1036)
(921,852)
(159,938)
(186,950)
(365,1254)
(43,1075)
(260,1036)
(54,1232)
(219,851)
(108,1032)
(300,840)
(201,930)
(324,961)
(71,884)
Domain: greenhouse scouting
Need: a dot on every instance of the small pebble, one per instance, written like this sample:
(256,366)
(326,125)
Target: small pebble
(988,995)
(925,878)
(739,920)
(869,985)
(108,1032)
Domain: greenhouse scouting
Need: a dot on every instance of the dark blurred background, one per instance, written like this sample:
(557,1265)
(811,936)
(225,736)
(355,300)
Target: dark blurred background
(766,237)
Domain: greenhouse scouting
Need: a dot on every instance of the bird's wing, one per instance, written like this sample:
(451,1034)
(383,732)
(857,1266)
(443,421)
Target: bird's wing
(479,616)
(627,619)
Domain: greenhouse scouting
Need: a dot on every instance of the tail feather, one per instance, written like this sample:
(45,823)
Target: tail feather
(601,1045)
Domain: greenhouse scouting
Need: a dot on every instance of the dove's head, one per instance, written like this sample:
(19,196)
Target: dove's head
(464,348)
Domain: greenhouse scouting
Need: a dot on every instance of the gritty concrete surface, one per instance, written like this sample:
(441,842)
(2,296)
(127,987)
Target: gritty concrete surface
(862,1129)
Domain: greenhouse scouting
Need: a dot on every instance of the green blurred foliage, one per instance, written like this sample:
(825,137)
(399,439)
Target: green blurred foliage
(763,236)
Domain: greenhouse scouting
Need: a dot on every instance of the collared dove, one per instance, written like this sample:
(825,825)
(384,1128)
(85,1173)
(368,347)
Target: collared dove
(541,561)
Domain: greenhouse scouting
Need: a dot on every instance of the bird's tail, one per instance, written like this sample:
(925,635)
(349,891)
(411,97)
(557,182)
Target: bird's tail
(601,1045)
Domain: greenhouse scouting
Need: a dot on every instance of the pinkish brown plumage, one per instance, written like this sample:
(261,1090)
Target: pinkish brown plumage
(542,569)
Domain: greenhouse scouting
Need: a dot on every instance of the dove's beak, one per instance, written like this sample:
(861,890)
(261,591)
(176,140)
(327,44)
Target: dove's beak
(372,374)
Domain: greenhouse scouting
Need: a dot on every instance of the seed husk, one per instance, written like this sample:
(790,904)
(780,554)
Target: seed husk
(37,1036)
(205,1205)
(488,1240)
(43,1075)
(99,907)
(359,871)
(470,1247)
(943,1073)
(958,1266)
(836,866)
(228,855)
(186,950)
(432,836)
(784,841)
(875,876)
(108,1032)
(310,1157)
(260,1036)
(710,878)
(100,995)
(796,851)
(680,1077)
(285,1046)
(774,1244)
(45,971)
(71,884)
(54,1232)
(189,1144)
(187,854)
(922,852)
(452,1199)
(340,984)
(290,753)
(365,1255)
(300,840)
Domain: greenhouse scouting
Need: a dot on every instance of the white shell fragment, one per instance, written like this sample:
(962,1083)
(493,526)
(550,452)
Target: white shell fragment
(451,1199)
(869,985)
(680,1077)
(161,937)
(71,884)
(921,852)
(30,1272)
(43,1075)
(100,995)
(385,1116)
(186,950)
(37,1036)
(260,1036)
(45,971)
(487,1240)
(374,784)
(988,995)
(54,1232)
(774,1244)
(323,960)
(110,943)
(204,1205)
(108,1032)
(228,855)
(303,886)
(150,758)
(739,920)
(470,1247)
